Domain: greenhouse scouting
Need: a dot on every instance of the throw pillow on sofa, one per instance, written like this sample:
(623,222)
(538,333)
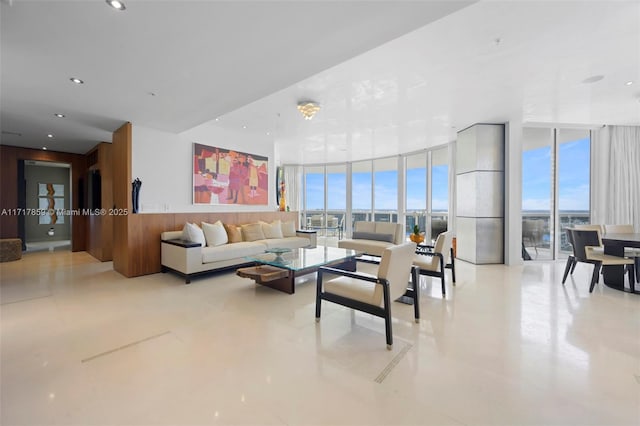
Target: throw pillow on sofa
(252,232)
(272,230)
(234,234)
(215,234)
(192,232)
(289,229)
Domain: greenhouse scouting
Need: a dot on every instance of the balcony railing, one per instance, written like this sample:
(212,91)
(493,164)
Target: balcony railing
(536,228)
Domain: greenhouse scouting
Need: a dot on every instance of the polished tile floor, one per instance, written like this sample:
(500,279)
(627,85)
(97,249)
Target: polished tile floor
(82,345)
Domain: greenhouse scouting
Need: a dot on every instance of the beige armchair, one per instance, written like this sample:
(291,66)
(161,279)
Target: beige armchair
(369,293)
(433,262)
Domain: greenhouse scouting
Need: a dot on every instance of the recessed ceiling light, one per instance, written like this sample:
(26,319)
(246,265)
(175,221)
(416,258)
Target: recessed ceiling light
(49,135)
(118,5)
(76,80)
(57,114)
(268,133)
(629,83)
(244,127)
(593,79)
(44,147)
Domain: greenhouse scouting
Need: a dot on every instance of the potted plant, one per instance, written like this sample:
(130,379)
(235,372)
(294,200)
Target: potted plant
(417,237)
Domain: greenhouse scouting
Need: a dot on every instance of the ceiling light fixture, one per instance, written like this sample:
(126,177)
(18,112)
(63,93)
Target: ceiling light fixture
(44,147)
(57,114)
(118,5)
(308,109)
(50,135)
(629,83)
(76,80)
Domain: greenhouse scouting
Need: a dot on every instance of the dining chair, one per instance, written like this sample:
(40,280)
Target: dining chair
(584,242)
(431,260)
(571,259)
(371,293)
(628,251)
(590,227)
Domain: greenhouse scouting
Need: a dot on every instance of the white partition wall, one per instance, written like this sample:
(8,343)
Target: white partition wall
(480,194)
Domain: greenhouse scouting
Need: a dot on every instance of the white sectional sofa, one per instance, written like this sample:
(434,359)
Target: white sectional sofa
(373,237)
(189,258)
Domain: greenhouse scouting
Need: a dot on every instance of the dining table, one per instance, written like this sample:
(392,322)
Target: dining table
(613,275)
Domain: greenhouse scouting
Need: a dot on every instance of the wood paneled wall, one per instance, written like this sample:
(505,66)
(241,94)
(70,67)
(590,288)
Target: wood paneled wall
(121,172)
(100,233)
(136,237)
(9,157)
(143,239)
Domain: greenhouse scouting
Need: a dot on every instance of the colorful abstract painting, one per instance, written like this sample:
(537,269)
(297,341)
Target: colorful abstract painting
(225,176)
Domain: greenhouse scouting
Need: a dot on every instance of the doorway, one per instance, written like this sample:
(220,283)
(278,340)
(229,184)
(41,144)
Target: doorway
(45,196)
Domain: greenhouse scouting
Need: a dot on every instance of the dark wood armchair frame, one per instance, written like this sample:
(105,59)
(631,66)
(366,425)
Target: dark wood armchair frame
(382,312)
(424,251)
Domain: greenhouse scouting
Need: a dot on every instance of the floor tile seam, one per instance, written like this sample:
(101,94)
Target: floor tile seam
(26,300)
(125,346)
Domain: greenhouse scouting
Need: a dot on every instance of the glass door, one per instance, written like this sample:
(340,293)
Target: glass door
(555,189)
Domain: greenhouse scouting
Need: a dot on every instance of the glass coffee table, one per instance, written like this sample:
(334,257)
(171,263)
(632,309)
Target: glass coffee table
(279,270)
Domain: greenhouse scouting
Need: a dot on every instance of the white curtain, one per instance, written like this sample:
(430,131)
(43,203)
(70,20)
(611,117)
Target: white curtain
(293,187)
(616,176)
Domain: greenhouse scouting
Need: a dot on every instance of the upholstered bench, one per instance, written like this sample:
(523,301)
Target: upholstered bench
(10,249)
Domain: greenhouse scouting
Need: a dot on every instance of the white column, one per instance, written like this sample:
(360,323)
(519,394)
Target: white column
(513,194)
(480,194)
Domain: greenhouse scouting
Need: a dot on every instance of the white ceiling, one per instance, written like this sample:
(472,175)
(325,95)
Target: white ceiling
(201,59)
(249,63)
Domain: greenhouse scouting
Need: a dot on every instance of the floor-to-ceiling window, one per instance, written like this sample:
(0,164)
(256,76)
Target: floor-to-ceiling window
(336,198)
(574,171)
(416,192)
(314,195)
(385,194)
(412,188)
(439,205)
(427,192)
(361,185)
(537,193)
(555,189)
